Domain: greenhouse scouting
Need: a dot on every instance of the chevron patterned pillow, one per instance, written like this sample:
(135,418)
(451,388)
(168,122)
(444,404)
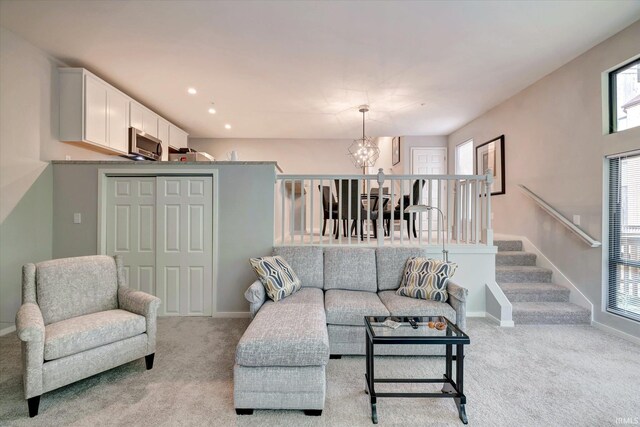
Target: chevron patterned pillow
(276,275)
(426,278)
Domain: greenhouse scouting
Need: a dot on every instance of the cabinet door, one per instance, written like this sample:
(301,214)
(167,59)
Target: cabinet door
(177,137)
(118,121)
(163,135)
(150,122)
(135,115)
(95,114)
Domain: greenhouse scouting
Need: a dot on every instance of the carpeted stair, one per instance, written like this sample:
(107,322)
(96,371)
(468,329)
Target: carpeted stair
(529,288)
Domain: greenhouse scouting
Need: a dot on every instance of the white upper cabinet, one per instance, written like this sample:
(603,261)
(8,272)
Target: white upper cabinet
(118,114)
(177,137)
(95,99)
(96,113)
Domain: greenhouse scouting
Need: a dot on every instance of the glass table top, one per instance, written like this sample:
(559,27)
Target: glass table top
(426,327)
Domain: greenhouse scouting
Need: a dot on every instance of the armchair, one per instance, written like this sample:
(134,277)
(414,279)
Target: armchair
(78,318)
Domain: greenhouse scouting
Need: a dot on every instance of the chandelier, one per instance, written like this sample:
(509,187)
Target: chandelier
(363,151)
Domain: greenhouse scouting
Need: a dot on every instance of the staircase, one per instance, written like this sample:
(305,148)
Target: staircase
(535,299)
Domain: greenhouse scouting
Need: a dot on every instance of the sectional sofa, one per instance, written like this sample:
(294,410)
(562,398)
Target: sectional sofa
(282,356)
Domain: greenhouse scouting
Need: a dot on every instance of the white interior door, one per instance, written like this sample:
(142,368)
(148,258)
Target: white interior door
(430,161)
(131,230)
(184,249)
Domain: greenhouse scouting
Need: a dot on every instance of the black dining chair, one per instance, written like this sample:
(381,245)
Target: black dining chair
(353,200)
(398,210)
(329,207)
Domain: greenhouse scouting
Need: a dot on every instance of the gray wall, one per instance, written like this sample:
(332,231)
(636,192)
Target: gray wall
(555,145)
(246,218)
(28,140)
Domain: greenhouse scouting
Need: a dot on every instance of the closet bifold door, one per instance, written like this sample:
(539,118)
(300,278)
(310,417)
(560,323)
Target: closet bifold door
(184,246)
(131,228)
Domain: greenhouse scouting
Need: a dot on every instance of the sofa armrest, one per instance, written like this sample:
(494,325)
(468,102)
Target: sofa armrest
(458,300)
(29,323)
(146,305)
(256,295)
(30,330)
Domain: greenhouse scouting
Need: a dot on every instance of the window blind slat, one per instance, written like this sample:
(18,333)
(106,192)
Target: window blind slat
(624,237)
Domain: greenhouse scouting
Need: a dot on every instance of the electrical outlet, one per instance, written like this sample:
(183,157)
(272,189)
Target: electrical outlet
(576,220)
(67,157)
(77,218)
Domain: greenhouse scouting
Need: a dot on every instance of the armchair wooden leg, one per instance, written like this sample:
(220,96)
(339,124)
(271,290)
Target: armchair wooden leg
(34,404)
(149,360)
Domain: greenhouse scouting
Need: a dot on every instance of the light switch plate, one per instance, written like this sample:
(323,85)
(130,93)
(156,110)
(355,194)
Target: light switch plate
(77,218)
(576,219)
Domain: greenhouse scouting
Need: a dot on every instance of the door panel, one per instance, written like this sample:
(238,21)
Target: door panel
(131,228)
(430,161)
(185,228)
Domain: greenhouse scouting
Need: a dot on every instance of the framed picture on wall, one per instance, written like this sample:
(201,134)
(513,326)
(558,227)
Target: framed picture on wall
(490,156)
(395,150)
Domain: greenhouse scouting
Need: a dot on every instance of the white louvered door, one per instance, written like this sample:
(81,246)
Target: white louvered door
(162,226)
(184,248)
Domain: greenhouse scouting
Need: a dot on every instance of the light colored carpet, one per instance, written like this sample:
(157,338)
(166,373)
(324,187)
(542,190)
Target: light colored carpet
(528,375)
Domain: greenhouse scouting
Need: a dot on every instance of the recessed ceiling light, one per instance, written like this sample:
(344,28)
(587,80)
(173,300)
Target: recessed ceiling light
(227,126)
(212,110)
(192,91)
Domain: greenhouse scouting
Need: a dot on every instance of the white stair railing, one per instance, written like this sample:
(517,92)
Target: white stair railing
(370,210)
(560,218)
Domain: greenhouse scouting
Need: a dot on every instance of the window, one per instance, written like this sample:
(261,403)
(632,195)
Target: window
(464,158)
(624,97)
(624,237)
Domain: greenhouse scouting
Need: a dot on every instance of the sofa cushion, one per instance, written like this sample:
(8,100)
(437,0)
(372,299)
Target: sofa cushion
(276,275)
(71,336)
(350,269)
(350,307)
(390,262)
(70,287)
(290,332)
(426,278)
(399,305)
(306,261)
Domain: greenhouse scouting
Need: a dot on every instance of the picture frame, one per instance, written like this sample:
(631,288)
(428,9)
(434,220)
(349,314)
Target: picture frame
(395,150)
(490,155)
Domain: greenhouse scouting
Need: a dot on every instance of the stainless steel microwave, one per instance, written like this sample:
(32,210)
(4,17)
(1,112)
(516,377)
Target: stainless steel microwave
(144,146)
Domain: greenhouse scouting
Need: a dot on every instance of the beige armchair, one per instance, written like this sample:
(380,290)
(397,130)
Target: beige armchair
(78,318)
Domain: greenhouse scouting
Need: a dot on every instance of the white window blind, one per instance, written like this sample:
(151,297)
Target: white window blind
(624,237)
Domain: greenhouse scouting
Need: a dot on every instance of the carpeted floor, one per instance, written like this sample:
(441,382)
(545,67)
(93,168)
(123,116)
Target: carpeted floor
(528,375)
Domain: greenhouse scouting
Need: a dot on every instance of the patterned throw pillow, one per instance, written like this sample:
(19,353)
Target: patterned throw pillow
(426,278)
(276,275)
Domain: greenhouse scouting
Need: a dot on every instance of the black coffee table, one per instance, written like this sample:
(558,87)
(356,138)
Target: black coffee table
(423,334)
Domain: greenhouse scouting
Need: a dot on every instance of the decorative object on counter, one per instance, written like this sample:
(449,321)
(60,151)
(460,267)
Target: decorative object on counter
(395,150)
(233,156)
(190,155)
(363,151)
(490,157)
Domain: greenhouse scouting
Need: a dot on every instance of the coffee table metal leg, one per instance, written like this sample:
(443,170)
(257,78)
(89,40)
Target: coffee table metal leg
(447,388)
(462,400)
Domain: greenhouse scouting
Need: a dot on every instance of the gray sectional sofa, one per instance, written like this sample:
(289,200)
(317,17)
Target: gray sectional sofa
(282,356)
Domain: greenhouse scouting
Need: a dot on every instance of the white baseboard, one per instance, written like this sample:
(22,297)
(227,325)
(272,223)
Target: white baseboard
(232,315)
(616,332)
(8,330)
(503,323)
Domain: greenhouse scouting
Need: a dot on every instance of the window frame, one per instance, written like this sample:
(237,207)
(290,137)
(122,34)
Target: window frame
(455,165)
(613,104)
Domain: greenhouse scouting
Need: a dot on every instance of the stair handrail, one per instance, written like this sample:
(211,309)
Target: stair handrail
(561,218)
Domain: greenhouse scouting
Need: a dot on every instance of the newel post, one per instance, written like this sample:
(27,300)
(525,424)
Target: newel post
(380,222)
(489,227)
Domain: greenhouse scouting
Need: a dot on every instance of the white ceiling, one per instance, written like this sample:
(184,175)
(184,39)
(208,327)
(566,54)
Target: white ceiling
(300,69)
